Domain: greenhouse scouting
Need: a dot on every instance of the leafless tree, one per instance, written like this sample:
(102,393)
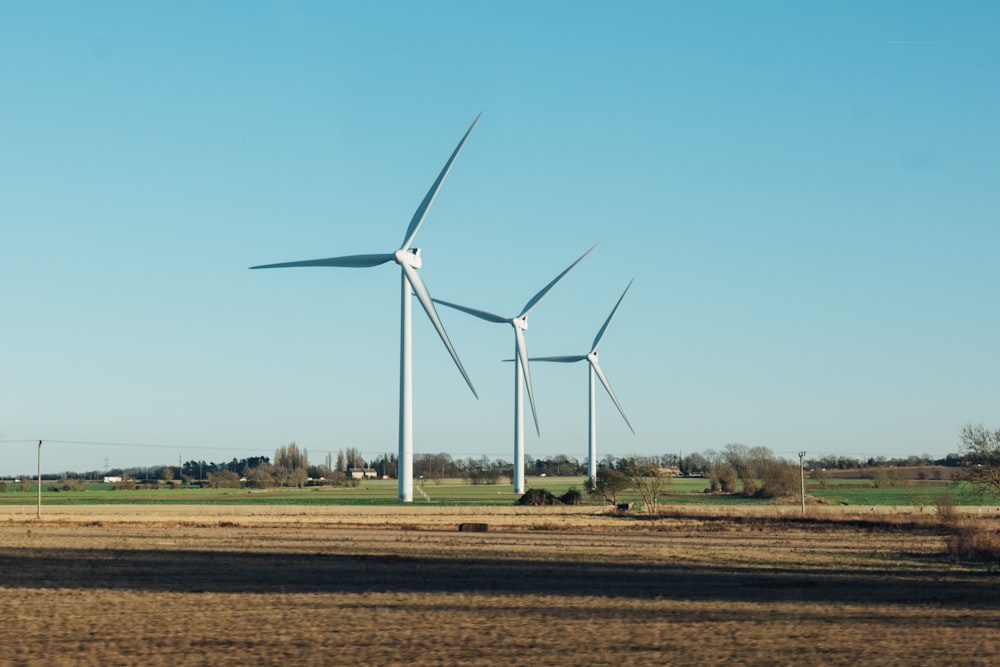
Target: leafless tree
(290,457)
(648,478)
(981,457)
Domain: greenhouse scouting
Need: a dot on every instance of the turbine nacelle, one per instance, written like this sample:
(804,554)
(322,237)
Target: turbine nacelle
(520,323)
(409,257)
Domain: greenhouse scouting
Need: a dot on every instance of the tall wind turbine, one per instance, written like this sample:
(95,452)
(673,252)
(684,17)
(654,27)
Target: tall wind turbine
(595,369)
(411,283)
(520,324)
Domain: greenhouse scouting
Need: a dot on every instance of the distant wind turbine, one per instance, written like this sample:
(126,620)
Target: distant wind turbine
(595,369)
(409,261)
(520,324)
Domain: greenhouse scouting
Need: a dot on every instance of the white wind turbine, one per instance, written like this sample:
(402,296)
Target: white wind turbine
(520,324)
(595,369)
(409,261)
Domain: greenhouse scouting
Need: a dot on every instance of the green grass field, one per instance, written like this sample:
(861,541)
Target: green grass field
(917,495)
(457,492)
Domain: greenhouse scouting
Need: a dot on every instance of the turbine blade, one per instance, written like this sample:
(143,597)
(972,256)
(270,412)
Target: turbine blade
(418,216)
(475,312)
(545,290)
(561,360)
(522,360)
(600,334)
(351,261)
(417,284)
(607,385)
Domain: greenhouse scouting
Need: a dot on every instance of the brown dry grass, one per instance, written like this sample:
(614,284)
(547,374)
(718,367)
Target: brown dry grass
(546,586)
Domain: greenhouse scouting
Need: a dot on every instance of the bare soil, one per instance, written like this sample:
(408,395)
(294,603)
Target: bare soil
(199,585)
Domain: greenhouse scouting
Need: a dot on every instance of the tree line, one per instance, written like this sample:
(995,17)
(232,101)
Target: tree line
(736,468)
(289,460)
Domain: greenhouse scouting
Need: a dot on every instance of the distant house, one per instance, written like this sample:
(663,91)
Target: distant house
(113,479)
(362,473)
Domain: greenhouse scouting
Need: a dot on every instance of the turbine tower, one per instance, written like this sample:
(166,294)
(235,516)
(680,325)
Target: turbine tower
(411,283)
(520,324)
(595,369)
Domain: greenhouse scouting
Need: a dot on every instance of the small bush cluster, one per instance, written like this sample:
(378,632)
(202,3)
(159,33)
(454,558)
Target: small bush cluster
(72,484)
(768,478)
(536,497)
(572,497)
(946,509)
(779,479)
(223,479)
(722,479)
(337,478)
(539,497)
(887,478)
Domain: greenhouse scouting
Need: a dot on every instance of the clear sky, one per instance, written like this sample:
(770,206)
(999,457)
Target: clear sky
(806,194)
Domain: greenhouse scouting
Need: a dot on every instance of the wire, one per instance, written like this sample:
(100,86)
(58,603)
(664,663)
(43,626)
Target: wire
(134,445)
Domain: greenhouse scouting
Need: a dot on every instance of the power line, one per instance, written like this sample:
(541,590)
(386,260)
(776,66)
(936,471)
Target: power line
(136,445)
(101,443)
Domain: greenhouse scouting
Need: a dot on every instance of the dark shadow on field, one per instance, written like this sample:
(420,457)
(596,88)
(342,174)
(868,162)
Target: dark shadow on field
(235,572)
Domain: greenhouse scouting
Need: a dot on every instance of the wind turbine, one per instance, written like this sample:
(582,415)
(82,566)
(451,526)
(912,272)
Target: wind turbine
(520,324)
(595,369)
(409,261)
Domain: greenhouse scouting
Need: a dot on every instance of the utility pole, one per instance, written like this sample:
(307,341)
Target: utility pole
(39,479)
(802,481)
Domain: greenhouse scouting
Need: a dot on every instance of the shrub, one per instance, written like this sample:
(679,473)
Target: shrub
(887,478)
(262,476)
(76,484)
(779,479)
(68,485)
(971,542)
(821,476)
(537,497)
(224,479)
(946,509)
(722,478)
(571,497)
(608,485)
(338,478)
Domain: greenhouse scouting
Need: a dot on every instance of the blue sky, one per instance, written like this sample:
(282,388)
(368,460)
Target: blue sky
(805,194)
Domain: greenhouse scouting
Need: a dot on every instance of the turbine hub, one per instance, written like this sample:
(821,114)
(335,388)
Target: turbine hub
(520,323)
(408,256)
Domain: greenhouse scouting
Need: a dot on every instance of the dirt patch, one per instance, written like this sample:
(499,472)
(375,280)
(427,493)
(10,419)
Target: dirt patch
(274,585)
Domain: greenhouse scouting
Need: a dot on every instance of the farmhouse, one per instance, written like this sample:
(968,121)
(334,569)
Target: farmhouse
(362,473)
